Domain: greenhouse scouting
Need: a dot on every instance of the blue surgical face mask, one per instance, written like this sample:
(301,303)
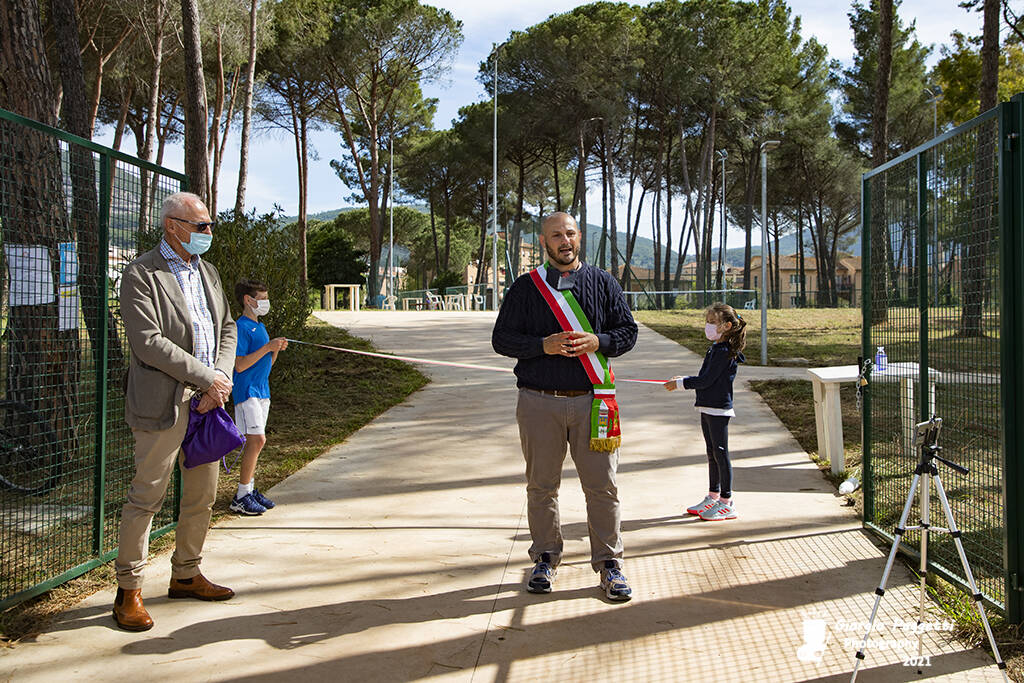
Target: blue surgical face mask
(198,243)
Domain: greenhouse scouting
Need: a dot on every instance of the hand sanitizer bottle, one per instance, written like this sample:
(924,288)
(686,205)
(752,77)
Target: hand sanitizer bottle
(881,360)
(849,486)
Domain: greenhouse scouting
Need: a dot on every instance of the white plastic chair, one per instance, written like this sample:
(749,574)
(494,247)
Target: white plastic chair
(389,302)
(434,301)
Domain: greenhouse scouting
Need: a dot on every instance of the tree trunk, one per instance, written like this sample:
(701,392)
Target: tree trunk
(196,161)
(624,276)
(748,208)
(581,195)
(983,217)
(558,184)
(212,150)
(250,76)
(517,222)
(602,255)
(612,227)
(666,273)
(223,144)
(42,361)
(84,212)
(303,200)
(989,89)
(152,114)
(433,233)
(801,266)
(879,153)
(122,118)
(448,230)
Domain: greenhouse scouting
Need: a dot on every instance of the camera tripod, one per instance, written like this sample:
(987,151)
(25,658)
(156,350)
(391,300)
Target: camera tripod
(926,438)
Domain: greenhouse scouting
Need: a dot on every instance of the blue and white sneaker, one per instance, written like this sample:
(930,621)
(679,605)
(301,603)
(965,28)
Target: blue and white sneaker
(247,505)
(261,499)
(542,576)
(614,584)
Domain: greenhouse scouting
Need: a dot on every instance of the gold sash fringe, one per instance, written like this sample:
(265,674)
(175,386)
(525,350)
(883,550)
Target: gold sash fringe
(606,445)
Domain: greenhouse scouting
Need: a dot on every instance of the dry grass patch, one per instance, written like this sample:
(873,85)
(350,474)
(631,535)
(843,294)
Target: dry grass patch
(822,336)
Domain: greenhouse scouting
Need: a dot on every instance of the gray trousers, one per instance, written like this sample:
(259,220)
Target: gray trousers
(156,453)
(546,424)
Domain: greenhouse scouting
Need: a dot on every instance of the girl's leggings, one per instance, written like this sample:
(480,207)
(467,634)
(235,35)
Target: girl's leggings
(716,437)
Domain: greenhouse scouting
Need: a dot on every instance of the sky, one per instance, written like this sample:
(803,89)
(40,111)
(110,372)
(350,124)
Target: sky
(272,167)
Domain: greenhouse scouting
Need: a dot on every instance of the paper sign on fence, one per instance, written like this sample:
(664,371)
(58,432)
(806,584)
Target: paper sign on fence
(30,276)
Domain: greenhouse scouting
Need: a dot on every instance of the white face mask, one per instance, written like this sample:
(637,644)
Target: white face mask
(262,307)
(711,332)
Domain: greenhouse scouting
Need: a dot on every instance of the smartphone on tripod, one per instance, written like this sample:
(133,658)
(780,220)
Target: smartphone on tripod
(927,433)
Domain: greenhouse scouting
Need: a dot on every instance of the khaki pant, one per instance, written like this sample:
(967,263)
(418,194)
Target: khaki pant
(546,424)
(155,455)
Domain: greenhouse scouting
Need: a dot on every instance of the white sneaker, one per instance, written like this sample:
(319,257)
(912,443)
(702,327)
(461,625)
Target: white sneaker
(719,511)
(700,507)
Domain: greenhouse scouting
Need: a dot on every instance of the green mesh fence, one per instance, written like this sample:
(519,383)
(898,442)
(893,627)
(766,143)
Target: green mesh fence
(71,213)
(934,257)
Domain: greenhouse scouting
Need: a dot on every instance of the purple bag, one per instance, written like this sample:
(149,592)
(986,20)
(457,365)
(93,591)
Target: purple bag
(210,436)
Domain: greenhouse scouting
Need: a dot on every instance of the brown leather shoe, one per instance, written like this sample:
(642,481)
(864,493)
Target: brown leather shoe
(129,612)
(200,588)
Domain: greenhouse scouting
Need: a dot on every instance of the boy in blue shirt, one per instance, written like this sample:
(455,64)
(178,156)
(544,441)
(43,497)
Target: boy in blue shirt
(254,356)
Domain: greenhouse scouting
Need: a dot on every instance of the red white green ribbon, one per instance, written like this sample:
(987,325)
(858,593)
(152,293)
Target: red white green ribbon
(605,433)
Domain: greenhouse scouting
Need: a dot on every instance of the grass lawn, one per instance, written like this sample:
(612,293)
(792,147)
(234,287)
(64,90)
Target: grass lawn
(320,397)
(792,402)
(823,336)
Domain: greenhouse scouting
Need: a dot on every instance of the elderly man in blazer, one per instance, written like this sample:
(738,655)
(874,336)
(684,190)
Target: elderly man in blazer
(182,339)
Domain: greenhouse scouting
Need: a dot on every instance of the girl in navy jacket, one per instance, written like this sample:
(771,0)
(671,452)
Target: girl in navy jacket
(727,332)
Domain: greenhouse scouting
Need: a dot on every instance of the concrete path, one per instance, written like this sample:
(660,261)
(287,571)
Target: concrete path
(401,554)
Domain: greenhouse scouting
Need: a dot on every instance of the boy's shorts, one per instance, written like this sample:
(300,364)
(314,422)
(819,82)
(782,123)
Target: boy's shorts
(251,415)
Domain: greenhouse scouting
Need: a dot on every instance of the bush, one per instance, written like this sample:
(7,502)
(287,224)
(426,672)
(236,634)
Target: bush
(251,246)
(332,258)
(445,280)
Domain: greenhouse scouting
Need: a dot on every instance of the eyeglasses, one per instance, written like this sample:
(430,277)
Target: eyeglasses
(202,225)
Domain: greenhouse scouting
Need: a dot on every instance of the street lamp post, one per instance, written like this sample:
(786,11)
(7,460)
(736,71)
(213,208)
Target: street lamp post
(722,156)
(766,147)
(391,229)
(934,92)
(494,186)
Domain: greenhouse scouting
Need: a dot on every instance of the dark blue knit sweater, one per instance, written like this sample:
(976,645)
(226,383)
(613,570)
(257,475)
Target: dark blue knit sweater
(714,381)
(525,319)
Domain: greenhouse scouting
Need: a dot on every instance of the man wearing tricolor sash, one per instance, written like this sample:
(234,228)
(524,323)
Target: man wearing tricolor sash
(562,322)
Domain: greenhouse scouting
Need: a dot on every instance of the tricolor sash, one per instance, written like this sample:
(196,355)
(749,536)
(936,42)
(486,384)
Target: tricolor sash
(604,413)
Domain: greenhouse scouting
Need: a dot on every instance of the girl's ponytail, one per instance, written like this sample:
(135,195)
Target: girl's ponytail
(736,336)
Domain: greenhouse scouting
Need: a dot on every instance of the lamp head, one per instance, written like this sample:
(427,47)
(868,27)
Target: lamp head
(769,145)
(723,154)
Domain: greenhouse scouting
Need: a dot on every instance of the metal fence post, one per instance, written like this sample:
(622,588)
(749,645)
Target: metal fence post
(183,187)
(924,379)
(103,247)
(1011,225)
(865,334)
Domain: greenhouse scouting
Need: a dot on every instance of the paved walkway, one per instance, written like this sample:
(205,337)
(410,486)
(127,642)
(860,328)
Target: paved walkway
(401,554)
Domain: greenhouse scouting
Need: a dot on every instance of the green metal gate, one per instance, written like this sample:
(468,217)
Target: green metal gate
(71,213)
(942,249)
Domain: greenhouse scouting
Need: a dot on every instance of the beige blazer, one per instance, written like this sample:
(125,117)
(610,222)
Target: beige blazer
(159,329)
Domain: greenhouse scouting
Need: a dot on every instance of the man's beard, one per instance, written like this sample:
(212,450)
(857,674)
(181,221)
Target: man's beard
(564,260)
